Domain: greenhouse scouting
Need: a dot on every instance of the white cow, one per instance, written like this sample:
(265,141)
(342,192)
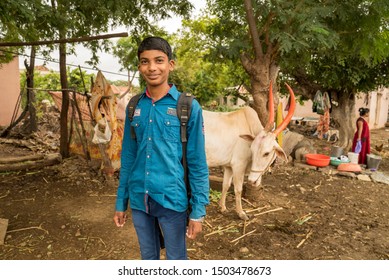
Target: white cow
(236,140)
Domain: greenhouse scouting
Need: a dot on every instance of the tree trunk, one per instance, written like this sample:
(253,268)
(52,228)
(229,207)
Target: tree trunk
(64,143)
(261,73)
(261,69)
(31,93)
(261,100)
(344,116)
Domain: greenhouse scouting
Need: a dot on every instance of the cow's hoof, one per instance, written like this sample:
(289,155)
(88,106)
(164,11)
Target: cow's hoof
(223,211)
(243,216)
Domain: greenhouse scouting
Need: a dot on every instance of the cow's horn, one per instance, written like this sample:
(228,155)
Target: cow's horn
(289,116)
(270,123)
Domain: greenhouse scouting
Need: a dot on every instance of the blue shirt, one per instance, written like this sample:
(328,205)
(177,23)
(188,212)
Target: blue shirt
(151,163)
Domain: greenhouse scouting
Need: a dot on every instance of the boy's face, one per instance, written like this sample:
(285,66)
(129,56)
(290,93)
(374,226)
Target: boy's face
(155,66)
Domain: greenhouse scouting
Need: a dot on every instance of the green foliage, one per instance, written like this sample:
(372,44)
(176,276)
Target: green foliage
(223,108)
(194,72)
(33,20)
(340,45)
(51,81)
(78,80)
(359,60)
(284,26)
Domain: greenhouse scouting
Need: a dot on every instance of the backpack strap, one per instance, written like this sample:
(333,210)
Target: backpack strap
(184,105)
(131,110)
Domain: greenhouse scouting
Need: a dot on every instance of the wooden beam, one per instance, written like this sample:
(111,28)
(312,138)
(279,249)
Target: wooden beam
(59,41)
(6,160)
(50,159)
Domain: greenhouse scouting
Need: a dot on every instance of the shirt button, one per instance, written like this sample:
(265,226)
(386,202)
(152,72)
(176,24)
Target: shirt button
(147,173)
(149,138)
(148,156)
(168,123)
(151,121)
(153,105)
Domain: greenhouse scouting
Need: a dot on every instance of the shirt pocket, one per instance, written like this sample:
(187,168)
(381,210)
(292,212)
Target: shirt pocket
(137,130)
(171,130)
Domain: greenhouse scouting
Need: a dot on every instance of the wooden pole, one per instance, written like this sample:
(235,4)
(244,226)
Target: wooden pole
(61,41)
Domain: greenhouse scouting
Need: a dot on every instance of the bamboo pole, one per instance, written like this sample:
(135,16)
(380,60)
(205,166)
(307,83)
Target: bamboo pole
(60,41)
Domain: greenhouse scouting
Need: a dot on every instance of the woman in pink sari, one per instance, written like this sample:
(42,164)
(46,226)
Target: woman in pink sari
(361,142)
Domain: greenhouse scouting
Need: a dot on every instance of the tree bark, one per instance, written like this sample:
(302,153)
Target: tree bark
(261,73)
(261,69)
(64,143)
(253,29)
(344,116)
(30,92)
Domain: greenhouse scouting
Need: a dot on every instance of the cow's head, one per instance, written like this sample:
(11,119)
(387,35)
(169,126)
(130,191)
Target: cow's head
(264,146)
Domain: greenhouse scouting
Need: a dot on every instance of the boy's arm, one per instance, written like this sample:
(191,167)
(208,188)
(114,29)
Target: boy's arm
(128,155)
(197,165)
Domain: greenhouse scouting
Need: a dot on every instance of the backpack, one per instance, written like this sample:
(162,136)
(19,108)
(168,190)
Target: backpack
(184,104)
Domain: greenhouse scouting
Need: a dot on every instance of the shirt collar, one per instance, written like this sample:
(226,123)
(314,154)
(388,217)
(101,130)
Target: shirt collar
(173,92)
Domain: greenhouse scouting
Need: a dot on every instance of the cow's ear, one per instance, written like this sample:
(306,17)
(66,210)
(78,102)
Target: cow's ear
(280,153)
(247,137)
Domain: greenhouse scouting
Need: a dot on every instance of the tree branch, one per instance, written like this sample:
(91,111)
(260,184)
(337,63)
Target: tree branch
(253,29)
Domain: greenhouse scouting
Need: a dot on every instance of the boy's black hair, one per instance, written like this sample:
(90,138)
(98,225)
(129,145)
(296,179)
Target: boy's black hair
(155,43)
(363,111)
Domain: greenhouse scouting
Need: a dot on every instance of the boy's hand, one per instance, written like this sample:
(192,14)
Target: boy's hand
(193,229)
(120,219)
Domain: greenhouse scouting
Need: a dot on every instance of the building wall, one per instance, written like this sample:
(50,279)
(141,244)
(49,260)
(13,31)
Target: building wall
(9,90)
(378,104)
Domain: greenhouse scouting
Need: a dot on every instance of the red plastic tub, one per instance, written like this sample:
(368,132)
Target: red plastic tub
(318,160)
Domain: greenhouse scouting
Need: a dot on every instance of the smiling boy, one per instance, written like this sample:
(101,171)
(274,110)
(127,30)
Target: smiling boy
(152,175)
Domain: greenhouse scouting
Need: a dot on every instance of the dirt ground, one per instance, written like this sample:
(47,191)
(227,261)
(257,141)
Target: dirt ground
(65,212)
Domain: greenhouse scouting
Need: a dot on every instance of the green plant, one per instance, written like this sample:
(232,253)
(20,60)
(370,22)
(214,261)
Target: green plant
(214,195)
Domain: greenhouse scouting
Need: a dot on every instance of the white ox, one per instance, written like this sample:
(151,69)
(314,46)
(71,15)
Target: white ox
(237,139)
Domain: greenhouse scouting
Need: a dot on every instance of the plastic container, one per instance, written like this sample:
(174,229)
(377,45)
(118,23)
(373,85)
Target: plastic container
(353,157)
(336,151)
(373,161)
(336,161)
(317,160)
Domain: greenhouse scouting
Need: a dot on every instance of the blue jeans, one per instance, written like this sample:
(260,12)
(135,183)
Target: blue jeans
(173,226)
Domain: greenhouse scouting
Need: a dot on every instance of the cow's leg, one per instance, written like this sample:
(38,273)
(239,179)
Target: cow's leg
(238,178)
(227,179)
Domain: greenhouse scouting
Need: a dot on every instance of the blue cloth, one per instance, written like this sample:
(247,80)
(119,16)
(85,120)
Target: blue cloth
(358,147)
(173,226)
(151,164)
